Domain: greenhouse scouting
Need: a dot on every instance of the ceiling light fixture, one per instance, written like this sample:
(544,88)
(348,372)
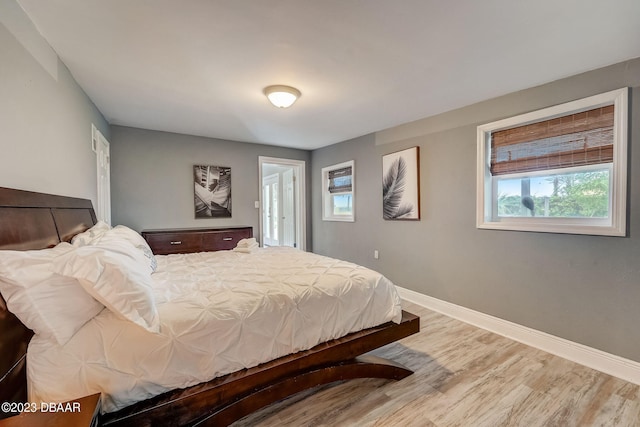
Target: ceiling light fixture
(282,96)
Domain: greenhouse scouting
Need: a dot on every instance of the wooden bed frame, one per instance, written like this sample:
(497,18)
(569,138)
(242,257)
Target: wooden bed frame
(31,220)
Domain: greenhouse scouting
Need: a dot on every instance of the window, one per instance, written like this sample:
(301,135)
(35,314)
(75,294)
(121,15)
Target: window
(562,169)
(338,192)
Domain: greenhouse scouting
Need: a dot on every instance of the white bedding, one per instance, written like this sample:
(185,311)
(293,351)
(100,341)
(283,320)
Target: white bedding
(219,312)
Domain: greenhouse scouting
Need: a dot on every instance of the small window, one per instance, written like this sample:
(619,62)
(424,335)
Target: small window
(338,192)
(561,169)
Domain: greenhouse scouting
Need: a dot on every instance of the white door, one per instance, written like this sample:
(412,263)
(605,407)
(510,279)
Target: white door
(288,209)
(103,160)
(270,211)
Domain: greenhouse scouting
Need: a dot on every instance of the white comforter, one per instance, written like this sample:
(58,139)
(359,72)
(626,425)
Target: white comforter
(220,312)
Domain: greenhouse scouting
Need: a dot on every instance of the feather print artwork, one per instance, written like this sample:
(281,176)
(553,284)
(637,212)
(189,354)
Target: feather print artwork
(399,185)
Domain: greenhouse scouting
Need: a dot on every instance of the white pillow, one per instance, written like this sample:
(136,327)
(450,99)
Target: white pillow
(51,305)
(120,233)
(90,235)
(116,274)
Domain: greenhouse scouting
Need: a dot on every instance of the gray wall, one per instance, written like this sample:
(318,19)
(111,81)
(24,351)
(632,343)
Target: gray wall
(582,288)
(45,117)
(152,178)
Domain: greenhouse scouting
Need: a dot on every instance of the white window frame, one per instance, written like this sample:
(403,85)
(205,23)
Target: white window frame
(614,225)
(327,197)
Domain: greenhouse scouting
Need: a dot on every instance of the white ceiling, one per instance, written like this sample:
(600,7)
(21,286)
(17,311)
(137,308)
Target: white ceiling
(199,66)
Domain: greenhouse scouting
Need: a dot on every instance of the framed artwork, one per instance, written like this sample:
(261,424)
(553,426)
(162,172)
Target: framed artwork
(401,185)
(212,191)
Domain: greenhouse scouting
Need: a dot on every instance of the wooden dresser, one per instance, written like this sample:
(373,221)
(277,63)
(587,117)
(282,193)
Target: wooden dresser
(187,240)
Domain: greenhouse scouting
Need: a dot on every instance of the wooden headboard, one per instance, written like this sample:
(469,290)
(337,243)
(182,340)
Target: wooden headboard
(31,220)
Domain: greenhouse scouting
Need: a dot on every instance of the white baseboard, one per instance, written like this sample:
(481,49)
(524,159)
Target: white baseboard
(611,364)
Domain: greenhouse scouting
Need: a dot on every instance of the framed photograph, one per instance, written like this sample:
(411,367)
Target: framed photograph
(401,185)
(212,191)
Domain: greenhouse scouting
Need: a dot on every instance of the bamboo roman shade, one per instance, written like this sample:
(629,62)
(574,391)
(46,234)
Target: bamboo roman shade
(340,180)
(578,139)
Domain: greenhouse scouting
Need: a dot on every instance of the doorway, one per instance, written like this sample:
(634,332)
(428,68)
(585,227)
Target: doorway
(101,147)
(282,202)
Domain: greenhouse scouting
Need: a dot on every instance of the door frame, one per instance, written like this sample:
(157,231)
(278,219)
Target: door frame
(300,196)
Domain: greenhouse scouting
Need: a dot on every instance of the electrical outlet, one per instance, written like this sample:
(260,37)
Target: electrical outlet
(376,255)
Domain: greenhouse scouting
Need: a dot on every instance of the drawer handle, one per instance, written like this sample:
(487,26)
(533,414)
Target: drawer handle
(176,242)
(227,238)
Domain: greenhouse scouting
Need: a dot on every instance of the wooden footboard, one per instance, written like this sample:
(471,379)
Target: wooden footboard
(227,399)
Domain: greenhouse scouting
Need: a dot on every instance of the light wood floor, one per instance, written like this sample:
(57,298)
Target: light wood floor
(464,376)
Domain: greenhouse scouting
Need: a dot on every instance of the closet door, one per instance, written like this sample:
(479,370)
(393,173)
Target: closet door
(103,160)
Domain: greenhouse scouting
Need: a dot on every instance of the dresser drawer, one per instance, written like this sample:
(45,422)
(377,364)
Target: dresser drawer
(187,240)
(174,243)
(224,240)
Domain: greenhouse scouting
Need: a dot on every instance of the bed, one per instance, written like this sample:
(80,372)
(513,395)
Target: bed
(31,221)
